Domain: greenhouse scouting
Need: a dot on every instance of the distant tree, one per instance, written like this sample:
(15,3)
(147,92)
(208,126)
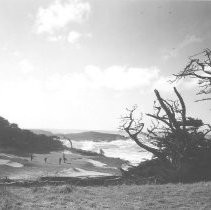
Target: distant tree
(176,140)
(199,67)
(4,123)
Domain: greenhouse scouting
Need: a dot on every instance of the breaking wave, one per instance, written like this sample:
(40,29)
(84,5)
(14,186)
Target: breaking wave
(124,149)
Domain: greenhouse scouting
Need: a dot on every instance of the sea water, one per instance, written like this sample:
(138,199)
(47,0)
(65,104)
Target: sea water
(124,149)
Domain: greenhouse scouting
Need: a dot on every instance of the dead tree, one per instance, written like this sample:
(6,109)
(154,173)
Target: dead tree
(134,127)
(199,67)
(173,137)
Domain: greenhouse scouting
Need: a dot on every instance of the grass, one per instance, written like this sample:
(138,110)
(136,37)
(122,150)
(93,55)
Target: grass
(38,168)
(168,196)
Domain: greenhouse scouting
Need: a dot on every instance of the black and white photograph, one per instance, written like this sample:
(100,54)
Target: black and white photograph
(105,104)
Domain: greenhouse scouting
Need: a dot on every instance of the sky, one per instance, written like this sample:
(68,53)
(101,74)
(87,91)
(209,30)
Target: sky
(77,64)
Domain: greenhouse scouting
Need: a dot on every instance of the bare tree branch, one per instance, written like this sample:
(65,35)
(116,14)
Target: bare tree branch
(199,67)
(172,134)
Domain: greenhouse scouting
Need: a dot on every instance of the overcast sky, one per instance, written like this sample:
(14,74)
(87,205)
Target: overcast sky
(72,64)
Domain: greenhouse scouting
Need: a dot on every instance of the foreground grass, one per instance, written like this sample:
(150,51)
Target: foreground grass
(169,196)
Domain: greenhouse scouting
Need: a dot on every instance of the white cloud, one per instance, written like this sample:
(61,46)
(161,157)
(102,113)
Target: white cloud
(190,83)
(165,84)
(190,39)
(60,13)
(77,100)
(89,35)
(73,37)
(16,53)
(117,78)
(54,38)
(26,66)
(120,77)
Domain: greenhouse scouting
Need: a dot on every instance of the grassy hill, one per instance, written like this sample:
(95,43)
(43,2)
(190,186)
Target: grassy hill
(16,140)
(44,132)
(93,136)
(86,135)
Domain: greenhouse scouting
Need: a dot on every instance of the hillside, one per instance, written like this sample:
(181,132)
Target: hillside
(42,132)
(93,136)
(17,140)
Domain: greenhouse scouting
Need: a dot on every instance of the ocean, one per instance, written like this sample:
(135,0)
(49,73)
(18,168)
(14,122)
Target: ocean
(124,149)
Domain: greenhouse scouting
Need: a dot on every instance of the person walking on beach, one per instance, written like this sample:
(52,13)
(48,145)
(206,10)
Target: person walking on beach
(102,152)
(64,158)
(60,161)
(32,157)
(45,159)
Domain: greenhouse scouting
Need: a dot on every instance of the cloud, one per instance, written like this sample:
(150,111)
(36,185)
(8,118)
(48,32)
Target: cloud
(164,84)
(190,83)
(16,53)
(115,78)
(120,77)
(190,39)
(54,21)
(73,37)
(72,99)
(60,13)
(55,38)
(26,66)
